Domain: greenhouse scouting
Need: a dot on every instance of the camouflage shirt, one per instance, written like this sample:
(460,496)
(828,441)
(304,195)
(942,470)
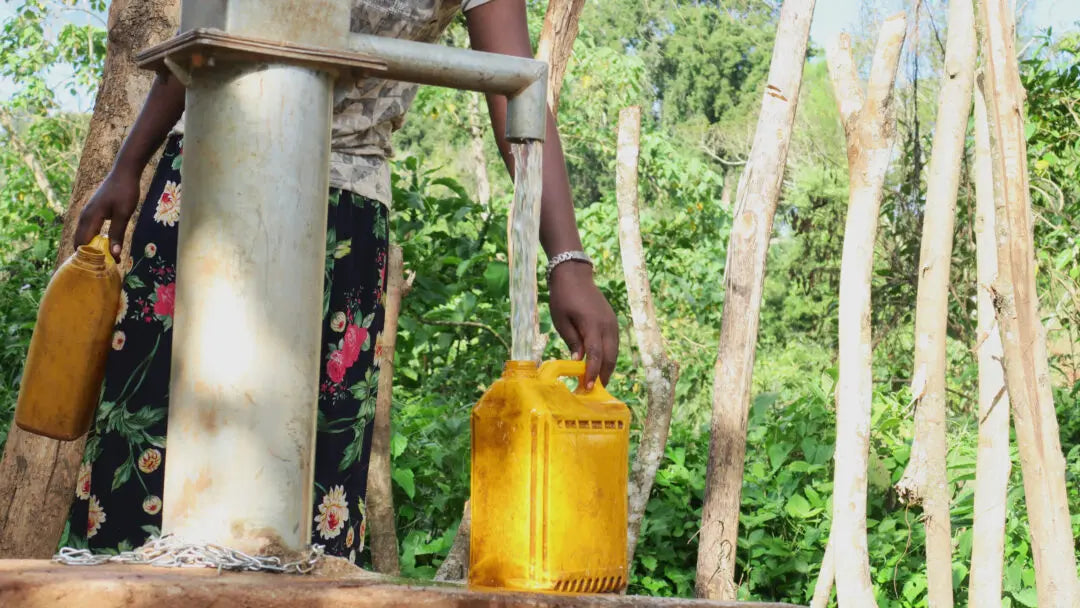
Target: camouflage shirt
(369,110)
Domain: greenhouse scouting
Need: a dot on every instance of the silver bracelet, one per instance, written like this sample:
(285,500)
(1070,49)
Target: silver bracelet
(566,256)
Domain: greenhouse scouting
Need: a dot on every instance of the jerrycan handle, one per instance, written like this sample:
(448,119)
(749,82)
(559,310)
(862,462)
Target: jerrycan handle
(551,371)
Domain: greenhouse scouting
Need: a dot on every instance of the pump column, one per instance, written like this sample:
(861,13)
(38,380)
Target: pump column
(246,339)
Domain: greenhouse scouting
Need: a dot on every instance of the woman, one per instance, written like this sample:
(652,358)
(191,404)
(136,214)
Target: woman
(120,484)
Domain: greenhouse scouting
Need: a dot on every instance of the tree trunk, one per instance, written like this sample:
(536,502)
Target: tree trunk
(870,128)
(993,461)
(37,474)
(661,373)
(1027,373)
(824,585)
(380,496)
(744,278)
(925,480)
(556,43)
(456,565)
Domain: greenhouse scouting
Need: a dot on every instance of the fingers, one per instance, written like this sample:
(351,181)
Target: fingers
(117,228)
(570,335)
(594,354)
(611,351)
(89,226)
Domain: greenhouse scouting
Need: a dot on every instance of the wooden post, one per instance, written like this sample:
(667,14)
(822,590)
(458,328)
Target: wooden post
(870,128)
(925,480)
(556,43)
(37,474)
(744,278)
(993,461)
(380,495)
(661,373)
(1023,338)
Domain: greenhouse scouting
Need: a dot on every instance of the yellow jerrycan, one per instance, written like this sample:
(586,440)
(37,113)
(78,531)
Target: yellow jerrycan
(61,382)
(549,481)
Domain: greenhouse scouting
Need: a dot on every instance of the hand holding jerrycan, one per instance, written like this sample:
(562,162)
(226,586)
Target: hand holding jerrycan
(61,382)
(549,482)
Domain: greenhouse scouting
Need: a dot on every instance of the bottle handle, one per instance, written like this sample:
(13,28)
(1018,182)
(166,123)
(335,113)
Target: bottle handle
(551,371)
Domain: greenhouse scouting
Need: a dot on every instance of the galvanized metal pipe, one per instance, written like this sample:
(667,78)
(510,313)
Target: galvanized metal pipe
(522,80)
(247,325)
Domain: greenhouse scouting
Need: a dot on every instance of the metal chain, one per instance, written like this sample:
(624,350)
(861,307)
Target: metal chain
(167,551)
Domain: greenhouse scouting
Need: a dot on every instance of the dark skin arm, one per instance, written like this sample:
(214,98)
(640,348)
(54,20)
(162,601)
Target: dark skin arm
(118,195)
(580,312)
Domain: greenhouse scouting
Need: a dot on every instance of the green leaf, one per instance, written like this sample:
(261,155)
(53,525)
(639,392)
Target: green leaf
(1028,597)
(398,443)
(134,282)
(798,507)
(404,478)
(497,277)
(122,474)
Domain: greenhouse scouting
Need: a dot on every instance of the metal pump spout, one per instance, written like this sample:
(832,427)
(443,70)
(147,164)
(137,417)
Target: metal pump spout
(523,81)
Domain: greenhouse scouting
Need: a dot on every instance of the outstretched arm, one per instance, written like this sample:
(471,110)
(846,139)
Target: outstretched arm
(580,312)
(118,195)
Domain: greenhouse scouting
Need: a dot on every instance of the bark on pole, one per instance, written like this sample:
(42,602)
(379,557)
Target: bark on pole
(37,474)
(925,480)
(380,495)
(556,43)
(661,373)
(1023,338)
(870,128)
(993,461)
(744,277)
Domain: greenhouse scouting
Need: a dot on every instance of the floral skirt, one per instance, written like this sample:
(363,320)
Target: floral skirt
(119,492)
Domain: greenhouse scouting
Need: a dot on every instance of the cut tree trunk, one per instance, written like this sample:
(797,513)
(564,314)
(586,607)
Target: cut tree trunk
(380,495)
(870,128)
(1023,338)
(661,373)
(557,42)
(993,461)
(925,480)
(744,278)
(37,474)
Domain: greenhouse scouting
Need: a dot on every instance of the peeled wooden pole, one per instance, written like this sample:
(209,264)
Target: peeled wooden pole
(925,480)
(870,128)
(993,460)
(744,278)
(1027,370)
(380,495)
(37,474)
(661,373)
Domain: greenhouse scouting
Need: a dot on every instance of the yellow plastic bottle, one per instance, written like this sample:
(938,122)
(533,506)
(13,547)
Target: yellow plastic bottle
(549,482)
(61,382)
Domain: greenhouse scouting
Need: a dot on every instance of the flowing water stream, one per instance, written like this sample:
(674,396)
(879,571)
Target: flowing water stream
(524,238)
